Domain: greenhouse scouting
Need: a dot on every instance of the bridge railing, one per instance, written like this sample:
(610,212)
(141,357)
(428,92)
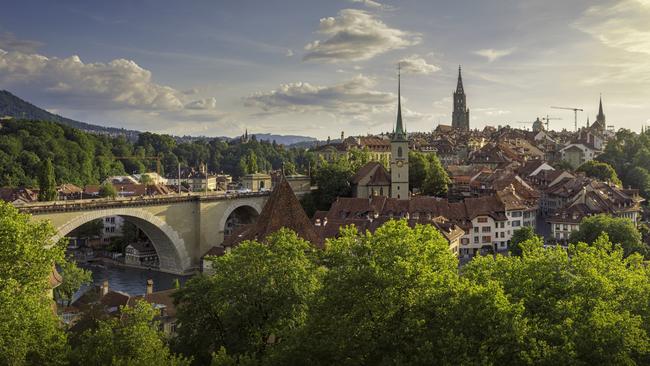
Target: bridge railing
(103,203)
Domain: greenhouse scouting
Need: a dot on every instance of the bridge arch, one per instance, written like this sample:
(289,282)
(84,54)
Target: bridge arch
(170,247)
(249,210)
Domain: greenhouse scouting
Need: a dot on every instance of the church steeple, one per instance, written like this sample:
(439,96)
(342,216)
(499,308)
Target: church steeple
(460,114)
(400,133)
(601,115)
(459,86)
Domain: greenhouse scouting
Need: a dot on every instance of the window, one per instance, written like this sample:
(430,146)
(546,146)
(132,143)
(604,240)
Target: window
(516,214)
(476,229)
(482,219)
(476,239)
(516,223)
(486,239)
(486,229)
(399,152)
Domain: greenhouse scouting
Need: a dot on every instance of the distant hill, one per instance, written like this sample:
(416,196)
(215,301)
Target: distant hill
(13,106)
(284,139)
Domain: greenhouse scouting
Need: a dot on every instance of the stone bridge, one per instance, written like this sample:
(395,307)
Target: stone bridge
(181,227)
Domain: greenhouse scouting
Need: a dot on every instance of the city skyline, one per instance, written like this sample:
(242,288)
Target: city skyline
(219,68)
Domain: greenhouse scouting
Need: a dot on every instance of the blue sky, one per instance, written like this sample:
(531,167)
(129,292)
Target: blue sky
(321,67)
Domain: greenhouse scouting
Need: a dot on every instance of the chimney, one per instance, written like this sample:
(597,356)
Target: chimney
(149,286)
(104,288)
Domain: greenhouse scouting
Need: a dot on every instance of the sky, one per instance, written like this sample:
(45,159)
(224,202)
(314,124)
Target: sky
(317,68)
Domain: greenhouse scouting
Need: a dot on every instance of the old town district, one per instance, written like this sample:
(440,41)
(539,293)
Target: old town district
(499,179)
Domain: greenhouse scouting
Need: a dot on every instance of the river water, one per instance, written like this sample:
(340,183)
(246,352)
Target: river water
(132,281)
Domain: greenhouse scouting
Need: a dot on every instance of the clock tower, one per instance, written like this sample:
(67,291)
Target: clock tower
(399,155)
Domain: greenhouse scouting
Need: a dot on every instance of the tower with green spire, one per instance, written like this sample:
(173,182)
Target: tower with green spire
(399,157)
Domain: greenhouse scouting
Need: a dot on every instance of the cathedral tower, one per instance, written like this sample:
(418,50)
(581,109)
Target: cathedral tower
(460,114)
(399,157)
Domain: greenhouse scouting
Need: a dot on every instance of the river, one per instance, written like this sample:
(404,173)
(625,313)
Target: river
(132,281)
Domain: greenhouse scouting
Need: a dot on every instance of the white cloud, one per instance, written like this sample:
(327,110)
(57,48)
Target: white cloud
(202,104)
(368,3)
(353,97)
(415,64)
(624,25)
(356,35)
(118,84)
(492,55)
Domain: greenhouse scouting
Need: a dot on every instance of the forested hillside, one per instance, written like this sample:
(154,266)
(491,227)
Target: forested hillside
(82,158)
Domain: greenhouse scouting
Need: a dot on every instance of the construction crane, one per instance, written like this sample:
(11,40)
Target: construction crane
(547,119)
(575,113)
(156,158)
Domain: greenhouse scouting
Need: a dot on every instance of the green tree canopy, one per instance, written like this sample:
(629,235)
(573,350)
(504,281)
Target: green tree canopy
(73,278)
(523,234)
(620,231)
(131,339)
(29,329)
(256,296)
(427,174)
(600,171)
(47,182)
(587,306)
(107,190)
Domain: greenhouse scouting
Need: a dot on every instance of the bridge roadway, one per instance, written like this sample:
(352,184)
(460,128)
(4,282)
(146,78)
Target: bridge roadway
(181,227)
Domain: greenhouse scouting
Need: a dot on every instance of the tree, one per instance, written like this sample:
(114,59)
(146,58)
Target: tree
(437,181)
(146,179)
(523,234)
(131,339)
(107,190)
(73,278)
(333,180)
(563,165)
(394,297)
(257,295)
(418,170)
(600,171)
(90,229)
(639,178)
(29,329)
(47,183)
(619,230)
(584,306)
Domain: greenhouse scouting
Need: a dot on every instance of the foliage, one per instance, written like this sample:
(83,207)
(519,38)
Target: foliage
(333,180)
(523,234)
(427,174)
(394,297)
(563,165)
(587,306)
(107,190)
(629,154)
(47,183)
(29,329)
(146,179)
(256,296)
(73,278)
(131,339)
(82,158)
(600,171)
(620,231)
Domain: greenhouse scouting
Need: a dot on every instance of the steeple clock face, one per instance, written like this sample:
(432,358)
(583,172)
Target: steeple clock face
(400,163)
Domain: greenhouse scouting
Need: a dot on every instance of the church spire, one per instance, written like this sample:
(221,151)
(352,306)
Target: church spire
(459,86)
(600,106)
(399,128)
